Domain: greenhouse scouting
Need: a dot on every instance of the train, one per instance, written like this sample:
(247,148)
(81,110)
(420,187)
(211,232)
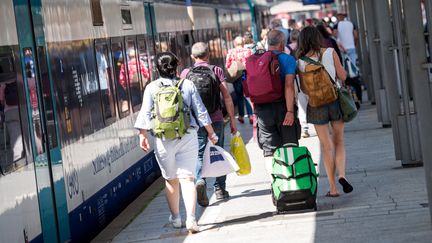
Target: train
(72,75)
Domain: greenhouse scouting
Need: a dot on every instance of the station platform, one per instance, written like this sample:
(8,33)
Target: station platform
(389,203)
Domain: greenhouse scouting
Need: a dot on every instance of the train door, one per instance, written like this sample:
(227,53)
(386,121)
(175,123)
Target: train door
(43,128)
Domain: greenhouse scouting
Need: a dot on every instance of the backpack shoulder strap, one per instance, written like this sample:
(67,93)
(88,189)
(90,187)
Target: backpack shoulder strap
(179,83)
(290,48)
(310,60)
(212,68)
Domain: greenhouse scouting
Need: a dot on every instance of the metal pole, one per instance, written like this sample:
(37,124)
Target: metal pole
(380,93)
(389,71)
(364,59)
(190,13)
(428,10)
(407,120)
(254,27)
(421,85)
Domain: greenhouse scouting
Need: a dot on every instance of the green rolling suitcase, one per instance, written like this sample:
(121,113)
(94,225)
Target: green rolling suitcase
(294,184)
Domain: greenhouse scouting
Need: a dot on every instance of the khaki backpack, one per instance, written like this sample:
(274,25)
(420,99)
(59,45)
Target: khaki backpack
(317,83)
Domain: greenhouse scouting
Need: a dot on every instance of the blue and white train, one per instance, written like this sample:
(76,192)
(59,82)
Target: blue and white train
(72,74)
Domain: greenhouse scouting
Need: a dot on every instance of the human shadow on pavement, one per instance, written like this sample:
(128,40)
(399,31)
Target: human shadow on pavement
(240,220)
(247,193)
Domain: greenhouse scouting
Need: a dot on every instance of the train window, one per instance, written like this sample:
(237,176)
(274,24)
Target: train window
(163,44)
(186,40)
(152,54)
(96,12)
(6,66)
(120,83)
(136,69)
(104,69)
(195,36)
(126,18)
(145,60)
(11,142)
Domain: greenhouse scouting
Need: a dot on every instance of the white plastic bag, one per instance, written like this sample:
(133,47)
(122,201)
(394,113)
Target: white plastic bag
(217,162)
(351,68)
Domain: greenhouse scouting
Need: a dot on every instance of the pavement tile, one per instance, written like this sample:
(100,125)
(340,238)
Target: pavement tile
(385,206)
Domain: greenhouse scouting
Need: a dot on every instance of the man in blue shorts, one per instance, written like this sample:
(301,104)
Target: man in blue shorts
(278,124)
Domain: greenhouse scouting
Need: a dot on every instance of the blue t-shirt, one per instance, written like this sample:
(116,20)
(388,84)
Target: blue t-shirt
(287,64)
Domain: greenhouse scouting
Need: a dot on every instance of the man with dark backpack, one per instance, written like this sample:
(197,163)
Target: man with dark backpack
(270,85)
(210,83)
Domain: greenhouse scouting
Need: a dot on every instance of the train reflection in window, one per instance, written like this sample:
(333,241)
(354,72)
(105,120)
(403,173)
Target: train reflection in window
(145,61)
(11,141)
(151,60)
(30,76)
(121,85)
(136,69)
(103,59)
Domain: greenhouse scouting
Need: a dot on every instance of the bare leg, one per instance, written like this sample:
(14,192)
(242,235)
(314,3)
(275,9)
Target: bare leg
(338,140)
(189,196)
(172,192)
(327,151)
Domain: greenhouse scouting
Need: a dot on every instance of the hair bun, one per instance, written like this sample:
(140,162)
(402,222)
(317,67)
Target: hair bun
(167,64)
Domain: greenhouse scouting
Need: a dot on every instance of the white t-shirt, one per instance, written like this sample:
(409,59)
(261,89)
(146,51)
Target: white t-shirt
(346,34)
(327,61)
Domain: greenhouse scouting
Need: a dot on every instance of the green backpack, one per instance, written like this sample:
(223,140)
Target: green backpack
(294,184)
(170,116)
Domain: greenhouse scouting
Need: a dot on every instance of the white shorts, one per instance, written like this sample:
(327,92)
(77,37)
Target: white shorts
(178,158)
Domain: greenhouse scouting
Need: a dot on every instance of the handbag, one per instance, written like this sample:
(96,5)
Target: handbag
(235,71)
(346,102)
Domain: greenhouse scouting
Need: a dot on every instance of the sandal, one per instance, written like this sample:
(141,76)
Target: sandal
(332,195)
(347,188)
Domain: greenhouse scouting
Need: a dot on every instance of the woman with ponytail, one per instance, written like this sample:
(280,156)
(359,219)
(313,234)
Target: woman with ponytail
(177,158)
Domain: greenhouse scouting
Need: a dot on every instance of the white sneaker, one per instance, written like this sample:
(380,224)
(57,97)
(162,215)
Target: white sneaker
(177,223)
(192,226)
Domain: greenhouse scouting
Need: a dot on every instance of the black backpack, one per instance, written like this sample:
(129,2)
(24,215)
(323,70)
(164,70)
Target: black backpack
(207,84)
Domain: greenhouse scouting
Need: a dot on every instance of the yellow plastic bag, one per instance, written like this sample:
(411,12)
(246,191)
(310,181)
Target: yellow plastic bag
(238,150)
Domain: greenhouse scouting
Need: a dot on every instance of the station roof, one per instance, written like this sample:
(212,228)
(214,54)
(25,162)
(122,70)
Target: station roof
(226,2)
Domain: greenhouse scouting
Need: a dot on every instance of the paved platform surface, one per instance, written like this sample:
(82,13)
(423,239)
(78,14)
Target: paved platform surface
(388,204)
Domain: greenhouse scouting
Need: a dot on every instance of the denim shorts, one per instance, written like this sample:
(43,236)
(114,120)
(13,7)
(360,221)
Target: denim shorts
(324,114)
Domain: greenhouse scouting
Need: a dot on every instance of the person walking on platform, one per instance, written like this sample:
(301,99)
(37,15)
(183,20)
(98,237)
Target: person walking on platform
(276,118)
(176,140)
(347,36)
(301,97)
(204,75)
(333,147)
(237,56)
(262,44)
(276,24)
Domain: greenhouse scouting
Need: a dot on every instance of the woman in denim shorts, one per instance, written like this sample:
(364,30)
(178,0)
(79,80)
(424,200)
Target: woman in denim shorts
(310,44)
